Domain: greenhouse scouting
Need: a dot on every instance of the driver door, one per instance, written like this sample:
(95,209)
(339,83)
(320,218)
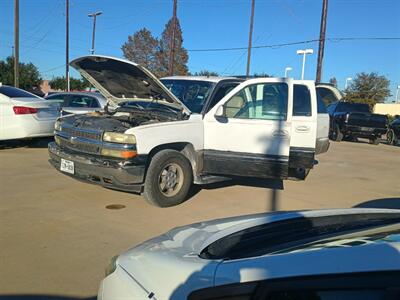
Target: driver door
(248,132)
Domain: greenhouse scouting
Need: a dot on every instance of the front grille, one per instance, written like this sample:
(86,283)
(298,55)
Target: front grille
(79,146)
(86,134)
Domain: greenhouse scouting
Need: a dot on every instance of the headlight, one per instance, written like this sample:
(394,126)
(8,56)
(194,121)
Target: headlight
(120,138)
(57,125)
(112,265)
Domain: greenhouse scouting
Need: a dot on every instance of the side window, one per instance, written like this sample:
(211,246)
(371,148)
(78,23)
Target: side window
(301,101)
(82,101)
(263,101)
(221,92)
(62,99)
(327,95)
(321,108)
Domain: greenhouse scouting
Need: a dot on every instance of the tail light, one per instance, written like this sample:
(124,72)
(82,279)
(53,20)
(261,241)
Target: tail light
(23,110)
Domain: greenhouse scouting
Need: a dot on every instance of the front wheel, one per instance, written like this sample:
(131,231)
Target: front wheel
(168,179)
(391,137)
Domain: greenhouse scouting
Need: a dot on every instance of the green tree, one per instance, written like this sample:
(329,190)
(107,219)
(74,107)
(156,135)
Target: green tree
(333,81)
(206,73)
(370,88)
(142,48)
(180,54)
(29,76)
(59,83)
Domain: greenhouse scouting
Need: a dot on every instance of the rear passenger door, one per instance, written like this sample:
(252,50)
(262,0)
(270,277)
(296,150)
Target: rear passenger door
(304,125)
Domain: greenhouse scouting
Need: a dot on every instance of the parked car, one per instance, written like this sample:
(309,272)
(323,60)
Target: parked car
(355,120)
(326,254)
(79,102)
(149,141)
(25,115)
(393,133)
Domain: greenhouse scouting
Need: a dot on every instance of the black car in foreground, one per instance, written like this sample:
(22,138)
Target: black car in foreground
(355,120)
(393,133)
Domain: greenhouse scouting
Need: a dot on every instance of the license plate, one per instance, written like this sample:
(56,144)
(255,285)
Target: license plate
(366,129)
(67,166)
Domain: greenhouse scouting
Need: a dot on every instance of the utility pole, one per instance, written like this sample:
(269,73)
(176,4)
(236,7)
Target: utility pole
(250,37)
(67,44)
(322,40)
(16,43)
(172,45)
(94,15)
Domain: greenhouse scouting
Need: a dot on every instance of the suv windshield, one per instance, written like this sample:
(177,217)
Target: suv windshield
(352,107)
(193,93)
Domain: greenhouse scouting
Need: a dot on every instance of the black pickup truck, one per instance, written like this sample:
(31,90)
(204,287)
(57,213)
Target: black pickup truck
(353,120)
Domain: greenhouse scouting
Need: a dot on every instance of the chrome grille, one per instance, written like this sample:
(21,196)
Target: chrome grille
(79,146)
(81,133)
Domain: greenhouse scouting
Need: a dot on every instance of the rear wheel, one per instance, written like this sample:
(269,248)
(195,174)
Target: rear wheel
(391,137)
(337,135)
(168,179)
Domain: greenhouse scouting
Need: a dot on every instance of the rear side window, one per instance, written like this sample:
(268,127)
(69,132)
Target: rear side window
(81,101)
(301,101)
(13,92)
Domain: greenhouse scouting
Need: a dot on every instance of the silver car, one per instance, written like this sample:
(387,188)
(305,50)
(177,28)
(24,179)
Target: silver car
(79,102)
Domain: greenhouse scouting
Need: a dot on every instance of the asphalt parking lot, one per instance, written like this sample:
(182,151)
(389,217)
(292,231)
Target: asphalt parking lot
(57,234)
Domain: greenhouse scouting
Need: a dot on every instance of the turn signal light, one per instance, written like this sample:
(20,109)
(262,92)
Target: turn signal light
(126,154)
(23,110)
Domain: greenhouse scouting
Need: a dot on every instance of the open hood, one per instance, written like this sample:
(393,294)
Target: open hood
(121,80)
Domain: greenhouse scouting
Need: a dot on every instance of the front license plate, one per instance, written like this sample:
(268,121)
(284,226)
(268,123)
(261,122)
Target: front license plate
(67,166)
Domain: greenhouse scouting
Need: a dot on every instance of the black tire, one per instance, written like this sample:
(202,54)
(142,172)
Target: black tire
(375,141)
(391,137)
(171,188)
(337,135)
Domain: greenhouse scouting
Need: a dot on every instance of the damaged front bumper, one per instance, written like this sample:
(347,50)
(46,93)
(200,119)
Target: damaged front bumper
(115,174)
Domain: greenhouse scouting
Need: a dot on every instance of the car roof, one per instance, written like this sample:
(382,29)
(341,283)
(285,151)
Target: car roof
(94,94)
(214,79)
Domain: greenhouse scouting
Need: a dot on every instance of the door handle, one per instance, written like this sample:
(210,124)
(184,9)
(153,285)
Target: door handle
(302,128)
(280,133)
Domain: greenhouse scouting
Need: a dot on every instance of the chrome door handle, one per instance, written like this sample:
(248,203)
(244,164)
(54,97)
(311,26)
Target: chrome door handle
(302,129)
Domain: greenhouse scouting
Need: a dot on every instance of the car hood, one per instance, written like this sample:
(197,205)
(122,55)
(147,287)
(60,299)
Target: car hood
(121,81)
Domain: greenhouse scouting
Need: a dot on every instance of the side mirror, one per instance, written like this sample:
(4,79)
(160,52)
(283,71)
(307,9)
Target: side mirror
(220,111)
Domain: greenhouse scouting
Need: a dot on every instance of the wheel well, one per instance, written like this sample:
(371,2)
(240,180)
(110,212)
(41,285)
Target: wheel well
(186,149)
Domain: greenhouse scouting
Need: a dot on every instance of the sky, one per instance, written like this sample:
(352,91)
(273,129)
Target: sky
(210,24)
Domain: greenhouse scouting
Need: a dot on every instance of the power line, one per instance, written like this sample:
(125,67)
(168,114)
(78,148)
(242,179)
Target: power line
(296,43)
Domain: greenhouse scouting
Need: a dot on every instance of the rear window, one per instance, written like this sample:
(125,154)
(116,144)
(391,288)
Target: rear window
(13,92)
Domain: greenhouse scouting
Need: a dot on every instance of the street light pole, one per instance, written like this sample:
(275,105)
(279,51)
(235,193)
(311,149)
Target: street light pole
(287,69)
(67,44)
(346,83)
(397,93)
(304,53)
(94,15)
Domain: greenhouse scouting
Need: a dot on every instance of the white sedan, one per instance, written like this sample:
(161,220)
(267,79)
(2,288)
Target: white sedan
(25,115)
(326,254)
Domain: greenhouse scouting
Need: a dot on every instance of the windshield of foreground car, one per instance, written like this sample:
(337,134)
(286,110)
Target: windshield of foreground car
(193,93)
(352,107)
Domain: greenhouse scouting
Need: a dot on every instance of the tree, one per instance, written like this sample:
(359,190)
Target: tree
(180,54)
(333,81)
(142,48)
(206,73)
(59,83)
(29,76)
(369,88)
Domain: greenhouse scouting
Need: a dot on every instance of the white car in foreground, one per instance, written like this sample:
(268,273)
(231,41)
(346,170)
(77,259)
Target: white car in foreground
(325,254)
(25,115)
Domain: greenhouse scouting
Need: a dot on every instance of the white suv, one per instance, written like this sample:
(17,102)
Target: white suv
(151,142)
